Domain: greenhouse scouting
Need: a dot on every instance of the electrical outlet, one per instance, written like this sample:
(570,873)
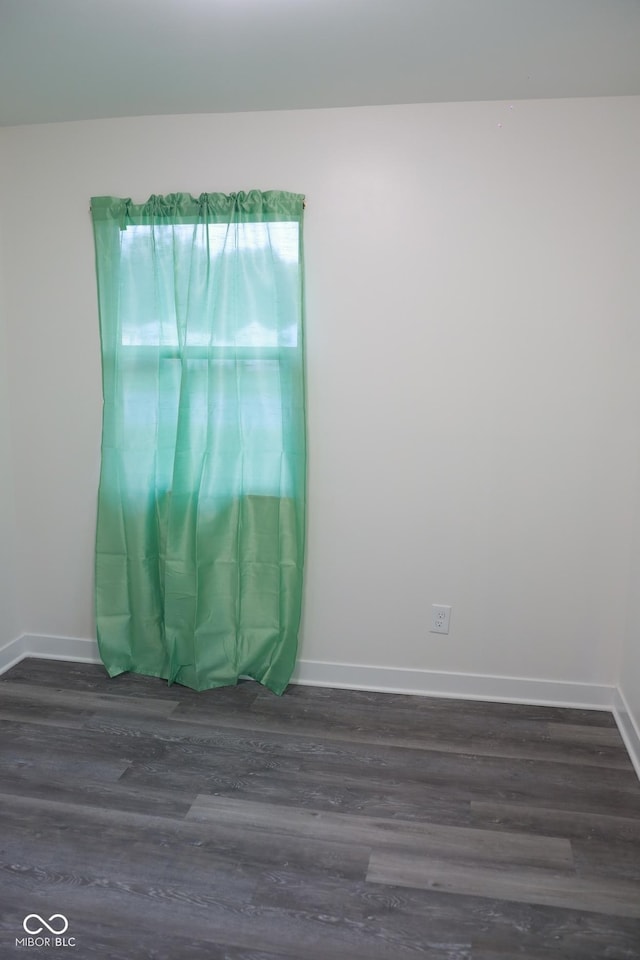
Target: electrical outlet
(440,614)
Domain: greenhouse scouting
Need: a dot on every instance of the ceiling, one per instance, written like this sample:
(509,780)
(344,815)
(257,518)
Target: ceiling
(85,59)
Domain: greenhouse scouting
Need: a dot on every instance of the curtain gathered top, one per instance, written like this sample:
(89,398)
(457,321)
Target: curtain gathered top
(253,205)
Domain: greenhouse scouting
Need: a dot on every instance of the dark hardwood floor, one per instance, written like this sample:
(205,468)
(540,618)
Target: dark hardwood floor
(323,825)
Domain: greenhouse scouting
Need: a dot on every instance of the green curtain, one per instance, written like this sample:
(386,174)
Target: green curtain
(201,505)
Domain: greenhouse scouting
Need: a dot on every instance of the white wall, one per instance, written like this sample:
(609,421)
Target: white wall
(629,704)
(630,672)
(471,367)
(9,623)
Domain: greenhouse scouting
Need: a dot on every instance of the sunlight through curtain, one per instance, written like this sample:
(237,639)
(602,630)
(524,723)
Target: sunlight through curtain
(201,507)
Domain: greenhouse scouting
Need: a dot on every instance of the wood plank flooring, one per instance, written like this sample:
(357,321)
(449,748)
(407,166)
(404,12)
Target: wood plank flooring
(323,825)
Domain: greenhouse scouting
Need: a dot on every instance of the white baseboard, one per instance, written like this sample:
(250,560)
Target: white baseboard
(353,676)
(61,648)
(629,728)
(466,686)
(11,653)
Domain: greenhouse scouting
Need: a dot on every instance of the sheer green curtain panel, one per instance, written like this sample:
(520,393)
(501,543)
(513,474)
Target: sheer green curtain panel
(201,504)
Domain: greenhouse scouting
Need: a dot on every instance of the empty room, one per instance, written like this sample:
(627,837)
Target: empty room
(320,479)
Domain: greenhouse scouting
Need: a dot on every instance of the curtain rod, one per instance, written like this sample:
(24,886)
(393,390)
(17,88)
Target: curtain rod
(304,205)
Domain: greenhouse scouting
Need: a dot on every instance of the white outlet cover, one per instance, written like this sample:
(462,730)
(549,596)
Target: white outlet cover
(440,617)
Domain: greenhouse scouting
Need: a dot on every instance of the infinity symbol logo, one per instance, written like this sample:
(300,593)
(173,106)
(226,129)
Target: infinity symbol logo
(56,916)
